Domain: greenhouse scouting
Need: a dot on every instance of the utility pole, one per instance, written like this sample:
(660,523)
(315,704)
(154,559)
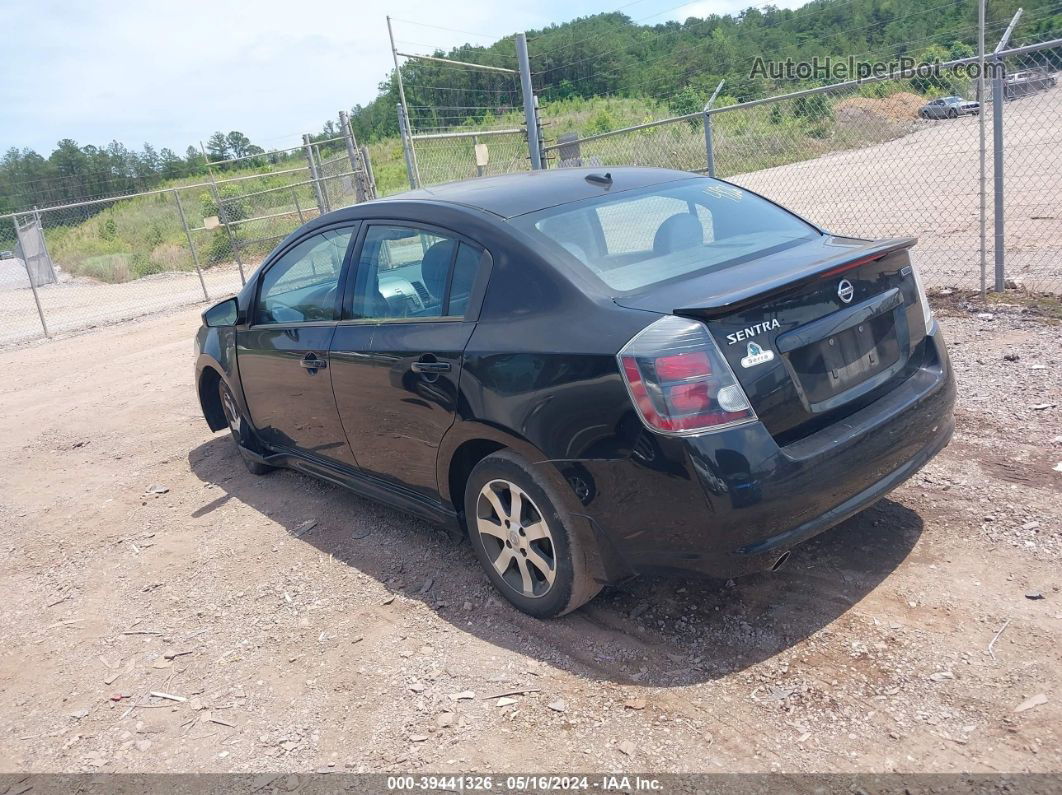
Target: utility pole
(530,116)
(407,146)
(403,116)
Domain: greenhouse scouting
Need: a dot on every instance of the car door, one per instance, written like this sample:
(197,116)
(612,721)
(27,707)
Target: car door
(397,360)
(282,353)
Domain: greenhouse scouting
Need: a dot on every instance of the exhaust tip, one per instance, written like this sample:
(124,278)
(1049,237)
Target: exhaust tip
(782,560)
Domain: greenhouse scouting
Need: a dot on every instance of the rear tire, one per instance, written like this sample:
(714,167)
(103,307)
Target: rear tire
(523,538)
(237,428)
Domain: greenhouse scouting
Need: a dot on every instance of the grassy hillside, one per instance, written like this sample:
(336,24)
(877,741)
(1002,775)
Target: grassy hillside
(130,238)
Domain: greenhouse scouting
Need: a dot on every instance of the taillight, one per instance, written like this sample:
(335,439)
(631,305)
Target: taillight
(679,381)
(923,299)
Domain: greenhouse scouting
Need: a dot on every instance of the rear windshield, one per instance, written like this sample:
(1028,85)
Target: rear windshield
(636,239)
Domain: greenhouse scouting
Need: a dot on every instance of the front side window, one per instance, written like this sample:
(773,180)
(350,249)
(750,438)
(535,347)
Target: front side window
(300,287)
(406,272)
(634,239)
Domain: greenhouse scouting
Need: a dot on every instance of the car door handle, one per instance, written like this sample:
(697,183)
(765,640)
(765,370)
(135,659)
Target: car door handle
(431,367)
(311,362)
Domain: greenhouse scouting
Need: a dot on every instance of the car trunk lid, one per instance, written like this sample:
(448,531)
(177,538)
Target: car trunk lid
(812,332)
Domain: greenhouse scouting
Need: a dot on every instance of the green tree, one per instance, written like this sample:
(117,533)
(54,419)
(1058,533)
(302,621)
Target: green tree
(217,147)
(238,144)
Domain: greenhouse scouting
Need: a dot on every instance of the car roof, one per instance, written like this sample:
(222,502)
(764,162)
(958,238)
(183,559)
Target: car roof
(510,195)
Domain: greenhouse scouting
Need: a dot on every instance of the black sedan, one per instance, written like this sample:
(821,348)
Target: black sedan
(594,374)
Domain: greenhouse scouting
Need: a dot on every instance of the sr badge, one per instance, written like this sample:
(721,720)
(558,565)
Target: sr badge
(757,355)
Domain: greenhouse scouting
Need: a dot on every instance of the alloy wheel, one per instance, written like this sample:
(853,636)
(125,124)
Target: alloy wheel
(516,538)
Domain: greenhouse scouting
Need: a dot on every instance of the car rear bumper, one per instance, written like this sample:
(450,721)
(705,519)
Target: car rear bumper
(731,503)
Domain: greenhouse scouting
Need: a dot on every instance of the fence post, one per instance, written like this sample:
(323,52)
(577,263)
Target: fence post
(981,132)
(314,178)
(44,242)
(352,155)
(541,137)
(530,117)
(191,244)
(998,97)
(33,287)
(709,148)
(997,172)
(298,208)
(223,217)
(407,146)
(370,178)
(319,161)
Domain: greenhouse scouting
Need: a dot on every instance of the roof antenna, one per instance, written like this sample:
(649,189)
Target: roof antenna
(600,179)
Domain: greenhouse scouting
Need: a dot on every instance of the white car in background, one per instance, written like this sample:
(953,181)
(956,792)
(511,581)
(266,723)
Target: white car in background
(949,108)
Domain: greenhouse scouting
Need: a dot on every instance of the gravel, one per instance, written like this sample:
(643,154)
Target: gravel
(901,640)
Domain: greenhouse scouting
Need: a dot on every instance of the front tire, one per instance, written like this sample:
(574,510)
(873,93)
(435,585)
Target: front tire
(237,427)
(524,539)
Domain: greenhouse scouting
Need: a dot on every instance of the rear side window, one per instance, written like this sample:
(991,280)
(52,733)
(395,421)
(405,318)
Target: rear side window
(634,239)
(406,272)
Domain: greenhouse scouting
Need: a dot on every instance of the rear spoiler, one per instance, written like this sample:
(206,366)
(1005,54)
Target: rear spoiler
(775,285)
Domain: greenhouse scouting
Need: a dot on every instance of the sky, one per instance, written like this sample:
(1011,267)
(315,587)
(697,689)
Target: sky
(171,73)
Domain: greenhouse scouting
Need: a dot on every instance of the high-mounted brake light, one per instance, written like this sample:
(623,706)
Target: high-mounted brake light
(679,381)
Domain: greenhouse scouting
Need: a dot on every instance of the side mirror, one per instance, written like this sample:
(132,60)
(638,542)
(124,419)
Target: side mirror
(227,313)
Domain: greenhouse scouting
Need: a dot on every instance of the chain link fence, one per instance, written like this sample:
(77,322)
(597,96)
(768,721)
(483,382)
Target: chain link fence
(102,261)
(450,156)
(870,160)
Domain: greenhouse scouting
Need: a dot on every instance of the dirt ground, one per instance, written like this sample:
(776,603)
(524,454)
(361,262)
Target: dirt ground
(79,303)
(906,639)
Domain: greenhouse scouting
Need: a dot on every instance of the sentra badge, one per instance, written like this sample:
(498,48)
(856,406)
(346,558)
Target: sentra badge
(757,355)
(752,331)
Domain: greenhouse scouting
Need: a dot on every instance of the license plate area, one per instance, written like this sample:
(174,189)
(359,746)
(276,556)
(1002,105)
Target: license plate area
(838,363)
(841,357)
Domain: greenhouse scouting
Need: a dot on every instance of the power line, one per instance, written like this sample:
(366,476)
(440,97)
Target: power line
(453,30)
